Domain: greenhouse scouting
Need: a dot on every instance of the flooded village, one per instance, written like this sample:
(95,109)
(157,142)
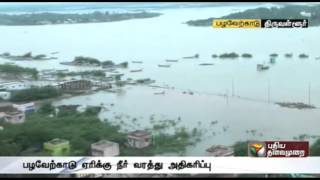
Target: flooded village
(18,82)
(160,88)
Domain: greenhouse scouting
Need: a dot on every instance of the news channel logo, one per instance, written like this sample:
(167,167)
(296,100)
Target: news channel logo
(257,149)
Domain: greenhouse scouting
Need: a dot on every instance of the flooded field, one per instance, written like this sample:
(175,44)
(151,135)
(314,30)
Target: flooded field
(152,41)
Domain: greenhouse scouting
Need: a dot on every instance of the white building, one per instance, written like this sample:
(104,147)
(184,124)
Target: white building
(306,14)
(11,115)
(105,148)
(13,86)
(139,139)
(26,107)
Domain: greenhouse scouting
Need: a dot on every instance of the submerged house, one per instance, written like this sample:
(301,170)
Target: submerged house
(12,115)
(139,139)
(105,148)
(57,147)
(220,151)
(13,86)
(75,85)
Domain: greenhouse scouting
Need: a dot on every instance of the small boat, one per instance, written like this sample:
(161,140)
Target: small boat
(206,64)
(136,70)
(165,65)
(192,57)
(56,52)
(317,58)
(137,62)
(159,93)
(261,67)
(172,60)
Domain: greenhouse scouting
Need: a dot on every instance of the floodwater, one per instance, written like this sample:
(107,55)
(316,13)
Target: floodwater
(167,37)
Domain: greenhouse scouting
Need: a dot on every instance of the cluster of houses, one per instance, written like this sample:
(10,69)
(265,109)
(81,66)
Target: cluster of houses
(137,139)
(68,84)
(7,87)
(15,113)
(77,85)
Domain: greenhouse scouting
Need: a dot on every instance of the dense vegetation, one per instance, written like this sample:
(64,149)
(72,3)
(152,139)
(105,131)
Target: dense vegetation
(247,55)
(58,18)
(81,129)
(241,148)
(15,70)
(80,60)
(315,148)
(89,61)
(229,55)
(107,63)
(35,93)
(287,12)
(26,56)
(95,73)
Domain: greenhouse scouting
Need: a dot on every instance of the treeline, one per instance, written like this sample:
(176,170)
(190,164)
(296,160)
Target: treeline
(58,18)
(15,70)
(95,73)
(81,129)
(89,61)
(35,93)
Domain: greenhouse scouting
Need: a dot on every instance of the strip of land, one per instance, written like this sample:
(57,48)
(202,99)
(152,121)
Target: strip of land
(58,18)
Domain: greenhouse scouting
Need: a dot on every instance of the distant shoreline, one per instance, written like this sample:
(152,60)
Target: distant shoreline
(68,18)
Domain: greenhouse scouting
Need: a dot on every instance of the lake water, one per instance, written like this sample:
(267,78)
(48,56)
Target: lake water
(166,37)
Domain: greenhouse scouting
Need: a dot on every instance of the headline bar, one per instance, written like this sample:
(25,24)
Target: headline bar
(157,165)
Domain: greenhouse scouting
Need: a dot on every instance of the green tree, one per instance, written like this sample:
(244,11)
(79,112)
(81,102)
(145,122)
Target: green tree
(315,148)
(241,148)
(46,108)
(35,93)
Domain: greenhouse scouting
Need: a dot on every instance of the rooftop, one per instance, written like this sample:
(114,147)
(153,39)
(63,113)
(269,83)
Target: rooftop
(26,104)
(58,141)
(139,133)
(8,109)
(14,113)
(103,144)
(219,149)
(68,107)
